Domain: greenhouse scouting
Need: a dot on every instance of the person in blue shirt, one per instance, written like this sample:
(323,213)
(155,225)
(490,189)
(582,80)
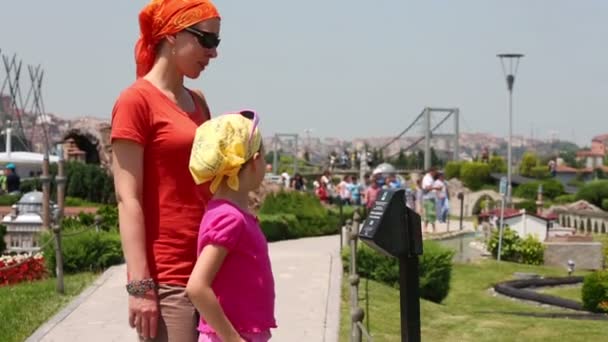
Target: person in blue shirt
(355,190)
(13,181)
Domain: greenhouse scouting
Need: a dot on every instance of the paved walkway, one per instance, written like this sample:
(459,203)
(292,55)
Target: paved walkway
(308,282)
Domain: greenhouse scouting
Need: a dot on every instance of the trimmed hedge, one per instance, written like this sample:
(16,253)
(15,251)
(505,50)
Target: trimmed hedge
(565,199)
(474,175)
(435,269)
(595,292)
(452,169)
(8,200)
(87,251)
(551,189)
(529,205)
(594,192)
(294,214)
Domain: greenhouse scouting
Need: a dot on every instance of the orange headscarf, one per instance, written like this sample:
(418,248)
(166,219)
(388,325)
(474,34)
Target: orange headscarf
(161,18)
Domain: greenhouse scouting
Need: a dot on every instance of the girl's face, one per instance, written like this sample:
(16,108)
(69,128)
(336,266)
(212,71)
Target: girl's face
(257,168)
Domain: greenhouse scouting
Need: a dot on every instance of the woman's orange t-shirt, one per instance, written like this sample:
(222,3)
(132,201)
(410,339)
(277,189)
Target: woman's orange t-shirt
(173,204)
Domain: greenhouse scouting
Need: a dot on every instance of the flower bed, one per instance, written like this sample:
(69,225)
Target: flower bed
(15,269)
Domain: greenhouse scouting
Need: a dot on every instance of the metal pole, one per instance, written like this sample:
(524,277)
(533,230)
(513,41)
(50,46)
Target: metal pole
(409,293)
(295,156)
(356,312)
(500,230)
(341,225)
(61,180)
(275,162)
(456,134)
(509,150)
(46,221)
(427,138)
(461,209)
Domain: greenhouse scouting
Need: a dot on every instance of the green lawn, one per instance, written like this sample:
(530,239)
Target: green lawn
(471,312)
(24,307)
(572,292)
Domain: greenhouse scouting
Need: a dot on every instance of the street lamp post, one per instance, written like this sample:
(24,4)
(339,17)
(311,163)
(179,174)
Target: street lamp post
(510,63)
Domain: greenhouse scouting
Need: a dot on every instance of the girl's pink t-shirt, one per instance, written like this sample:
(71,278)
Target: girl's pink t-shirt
(244,285)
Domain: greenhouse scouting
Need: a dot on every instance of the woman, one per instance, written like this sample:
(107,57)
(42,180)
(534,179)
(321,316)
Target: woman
(153,125)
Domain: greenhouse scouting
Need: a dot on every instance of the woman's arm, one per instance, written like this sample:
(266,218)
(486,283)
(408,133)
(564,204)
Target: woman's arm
(127,167)
(202,296)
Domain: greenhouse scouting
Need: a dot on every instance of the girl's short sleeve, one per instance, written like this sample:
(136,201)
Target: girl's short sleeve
(223,230)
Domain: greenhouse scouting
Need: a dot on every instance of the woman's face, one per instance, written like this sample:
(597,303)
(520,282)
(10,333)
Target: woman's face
(195,47)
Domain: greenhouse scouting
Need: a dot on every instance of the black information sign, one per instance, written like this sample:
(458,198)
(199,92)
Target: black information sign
(393,229)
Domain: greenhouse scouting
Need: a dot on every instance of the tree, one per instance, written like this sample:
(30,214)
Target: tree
(435,160)
(419,163)
(498,164)
(528,162)
(306,156)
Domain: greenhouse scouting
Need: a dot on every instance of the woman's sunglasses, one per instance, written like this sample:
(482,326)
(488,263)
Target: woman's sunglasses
(253,116)
(208,40)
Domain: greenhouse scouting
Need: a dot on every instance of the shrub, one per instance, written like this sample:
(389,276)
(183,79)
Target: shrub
(435,269)
(527,250)
(528,162)
(452,169)
(510,240)
(8,200)
(540,172)
(605,204)
(86,251)
(551,189)
(594,192)
(475,175)
(32,184)
(531,251)
(565,199)
(498,164)
(312,218)
(276,227)
(604,240)
(528,205)
(595,292)
(78,202)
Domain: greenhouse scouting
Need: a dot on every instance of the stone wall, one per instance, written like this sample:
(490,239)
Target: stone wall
(586,255)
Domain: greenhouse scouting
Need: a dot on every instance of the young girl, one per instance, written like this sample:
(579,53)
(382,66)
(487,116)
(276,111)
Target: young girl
(232,285)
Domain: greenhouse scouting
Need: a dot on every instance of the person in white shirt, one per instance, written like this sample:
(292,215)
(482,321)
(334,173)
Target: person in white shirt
(442,198)
(429,198)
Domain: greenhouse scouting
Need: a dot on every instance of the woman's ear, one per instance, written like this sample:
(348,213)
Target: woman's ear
(171,40)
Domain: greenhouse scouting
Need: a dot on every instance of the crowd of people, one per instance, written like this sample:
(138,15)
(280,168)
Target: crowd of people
(427,195)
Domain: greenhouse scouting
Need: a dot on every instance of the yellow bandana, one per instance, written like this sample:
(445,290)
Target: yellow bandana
(221,146)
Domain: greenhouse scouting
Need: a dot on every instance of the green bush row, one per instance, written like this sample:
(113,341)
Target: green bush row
(85,251)
(294,214)
(88,182)
(551,189)
(565,199)
(527,250)
(435,269)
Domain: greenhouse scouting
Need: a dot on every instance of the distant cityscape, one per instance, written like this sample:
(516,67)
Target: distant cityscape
(471,145)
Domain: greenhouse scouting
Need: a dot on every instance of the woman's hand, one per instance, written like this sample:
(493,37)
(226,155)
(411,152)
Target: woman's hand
(143,314)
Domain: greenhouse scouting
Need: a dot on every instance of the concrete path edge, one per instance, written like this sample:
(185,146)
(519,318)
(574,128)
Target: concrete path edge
(334,299)
(72,305)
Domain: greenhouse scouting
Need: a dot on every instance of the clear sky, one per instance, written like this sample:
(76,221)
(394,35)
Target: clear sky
(344,68)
